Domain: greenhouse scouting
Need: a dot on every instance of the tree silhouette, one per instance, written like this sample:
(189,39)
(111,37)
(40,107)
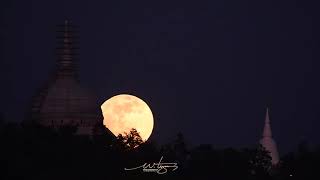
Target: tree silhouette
(129,141)
(260,162)
(31,151)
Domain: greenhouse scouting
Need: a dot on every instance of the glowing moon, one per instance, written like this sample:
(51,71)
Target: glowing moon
(123,112)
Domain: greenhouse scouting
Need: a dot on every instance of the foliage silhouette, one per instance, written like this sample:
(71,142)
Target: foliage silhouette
(129,141)
(260,162)
(31,151)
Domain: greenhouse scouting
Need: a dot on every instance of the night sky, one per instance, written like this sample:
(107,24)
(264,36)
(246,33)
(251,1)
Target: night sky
(207,69)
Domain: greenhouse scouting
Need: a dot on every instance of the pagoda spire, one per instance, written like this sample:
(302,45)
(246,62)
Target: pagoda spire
(267,141)
(267,127)
(66,54)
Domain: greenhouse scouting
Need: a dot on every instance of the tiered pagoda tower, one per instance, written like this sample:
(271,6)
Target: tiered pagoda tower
(62,101)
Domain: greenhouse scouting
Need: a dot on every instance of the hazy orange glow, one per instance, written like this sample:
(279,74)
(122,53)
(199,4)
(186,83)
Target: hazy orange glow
(123,112)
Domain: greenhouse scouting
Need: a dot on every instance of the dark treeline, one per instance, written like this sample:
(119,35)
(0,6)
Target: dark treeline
(30,151)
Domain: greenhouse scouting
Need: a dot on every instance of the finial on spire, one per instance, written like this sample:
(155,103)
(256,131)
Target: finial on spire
(267,128)
(267,116)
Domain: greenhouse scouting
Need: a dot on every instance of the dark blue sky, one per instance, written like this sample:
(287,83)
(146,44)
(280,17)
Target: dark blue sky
(207,69)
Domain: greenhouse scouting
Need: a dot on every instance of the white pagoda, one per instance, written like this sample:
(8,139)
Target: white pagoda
(267,141)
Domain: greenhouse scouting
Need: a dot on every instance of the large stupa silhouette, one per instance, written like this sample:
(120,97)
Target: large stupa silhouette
(63,101)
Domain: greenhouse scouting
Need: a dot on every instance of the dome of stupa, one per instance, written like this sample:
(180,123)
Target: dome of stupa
(67,103)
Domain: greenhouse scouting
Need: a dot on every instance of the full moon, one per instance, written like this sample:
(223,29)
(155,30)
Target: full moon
(123,112)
